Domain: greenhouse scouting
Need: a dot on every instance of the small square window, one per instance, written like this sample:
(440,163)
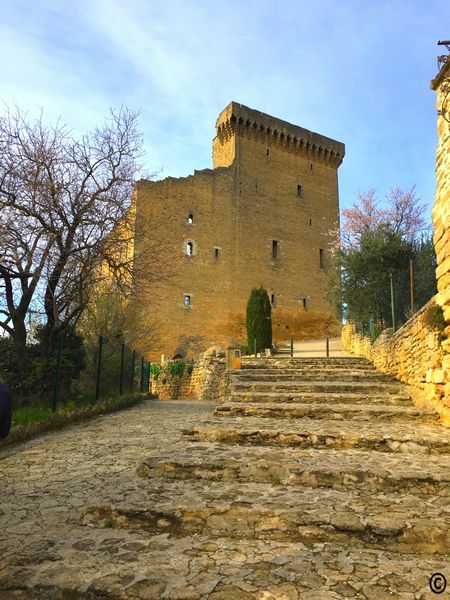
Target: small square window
(299,191)
(216,252)
(273,300)
(186,300)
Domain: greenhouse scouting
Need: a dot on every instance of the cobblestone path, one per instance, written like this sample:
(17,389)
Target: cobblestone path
(316,479)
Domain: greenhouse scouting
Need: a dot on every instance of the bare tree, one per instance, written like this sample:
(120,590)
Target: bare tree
(404,214)
(61,200)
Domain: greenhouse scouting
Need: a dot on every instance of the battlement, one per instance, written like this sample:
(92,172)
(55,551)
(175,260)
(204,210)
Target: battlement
(239,120)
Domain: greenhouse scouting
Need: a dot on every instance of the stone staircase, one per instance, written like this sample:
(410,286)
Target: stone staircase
(315,479)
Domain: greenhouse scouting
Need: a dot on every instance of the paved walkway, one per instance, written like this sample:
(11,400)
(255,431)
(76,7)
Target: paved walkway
(316,348)
(314,480)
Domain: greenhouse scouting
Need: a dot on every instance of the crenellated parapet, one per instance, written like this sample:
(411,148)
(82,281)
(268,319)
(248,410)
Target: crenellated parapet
(239,120)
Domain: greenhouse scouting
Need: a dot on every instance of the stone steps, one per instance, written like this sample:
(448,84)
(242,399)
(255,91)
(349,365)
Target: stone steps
(317,387)
(369,471)
(309,433)
(328,410)
(227,568)
(307,375)
(262,511)
(287,397)
(303,363)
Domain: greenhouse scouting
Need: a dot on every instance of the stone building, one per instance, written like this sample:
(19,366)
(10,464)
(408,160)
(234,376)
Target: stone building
(261,216)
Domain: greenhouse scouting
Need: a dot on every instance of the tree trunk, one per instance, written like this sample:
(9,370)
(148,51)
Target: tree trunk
(19,338)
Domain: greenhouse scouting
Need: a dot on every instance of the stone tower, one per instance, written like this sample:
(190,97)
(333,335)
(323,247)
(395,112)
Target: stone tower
(260,217)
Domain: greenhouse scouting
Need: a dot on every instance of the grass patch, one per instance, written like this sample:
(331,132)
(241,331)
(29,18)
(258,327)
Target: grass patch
(24,416)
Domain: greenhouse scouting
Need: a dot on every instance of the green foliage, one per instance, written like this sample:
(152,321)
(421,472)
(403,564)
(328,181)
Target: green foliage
(176,368)
(366,274)
(434,317)
(364,285)
(73,360)
(259,320)
(9,366)
(155,370)
(40,375)
(189,368)
(164,380)
(376,332)
(425,263)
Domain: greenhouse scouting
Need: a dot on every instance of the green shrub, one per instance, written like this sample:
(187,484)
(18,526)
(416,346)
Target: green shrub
(259,320)
(376,332)
(164,381)
(155,371)
(189,368)
(176,368)
(434,317)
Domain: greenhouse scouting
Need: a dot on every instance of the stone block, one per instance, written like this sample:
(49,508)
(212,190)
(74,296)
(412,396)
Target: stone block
(438,376)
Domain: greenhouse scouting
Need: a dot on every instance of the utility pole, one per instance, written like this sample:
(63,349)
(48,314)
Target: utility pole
(392,302)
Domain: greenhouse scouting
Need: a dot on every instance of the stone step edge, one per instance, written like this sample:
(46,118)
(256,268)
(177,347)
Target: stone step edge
(285,473)
(390,532)
(261,437)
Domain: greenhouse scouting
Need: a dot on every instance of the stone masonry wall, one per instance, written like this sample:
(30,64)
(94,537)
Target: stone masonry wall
(413,354)
(202,384)
(441,209)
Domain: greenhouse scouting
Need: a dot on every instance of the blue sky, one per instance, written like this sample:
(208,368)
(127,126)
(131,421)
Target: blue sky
(355,71)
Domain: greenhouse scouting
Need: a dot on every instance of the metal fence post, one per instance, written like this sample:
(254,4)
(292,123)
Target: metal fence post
(99,367)
(58,368)
(328,347)
(392,302)
(142,374)
(122,356)
(133,360)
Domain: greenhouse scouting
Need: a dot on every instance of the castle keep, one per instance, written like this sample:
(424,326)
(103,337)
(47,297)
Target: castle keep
(260,217)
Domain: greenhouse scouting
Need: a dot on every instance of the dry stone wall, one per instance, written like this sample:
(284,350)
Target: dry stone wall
(202,383)
(441,209)
(413,354)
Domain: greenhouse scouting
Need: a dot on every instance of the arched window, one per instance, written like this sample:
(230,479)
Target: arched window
(190,219)
(189,248)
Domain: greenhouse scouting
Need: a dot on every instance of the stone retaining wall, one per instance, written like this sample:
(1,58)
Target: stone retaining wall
(413,354)
(441,208)
(203,383)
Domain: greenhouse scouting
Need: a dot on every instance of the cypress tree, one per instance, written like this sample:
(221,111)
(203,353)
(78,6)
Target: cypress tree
(259,320)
